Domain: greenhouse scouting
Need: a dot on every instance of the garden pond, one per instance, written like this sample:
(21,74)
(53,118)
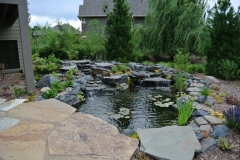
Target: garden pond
(138,107)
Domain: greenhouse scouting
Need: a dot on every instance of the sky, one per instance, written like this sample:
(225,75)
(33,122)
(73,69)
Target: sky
(50,11)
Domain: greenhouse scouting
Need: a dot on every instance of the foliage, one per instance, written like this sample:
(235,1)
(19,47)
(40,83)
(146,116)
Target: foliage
(67,83)
(119,69)
(119,44)
(81,96)
(94,43)
(233,117)
(205,91)
(224,144)
(216,114)
(50,93)
(45,65)
(171,25)
(223,94)
(215,87)
(181,61)
(59,87)
(37,78)
(70,73)
(168,64)
(232,99)
(129,81)
(18,91)
(196,68)
(31,96)
(185,111)
(180,82)
(228,69)
(218,98)
(149,63)
(55,74)
(135,135)
(223,49)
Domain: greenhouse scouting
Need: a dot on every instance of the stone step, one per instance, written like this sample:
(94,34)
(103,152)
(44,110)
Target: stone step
(6,106)
(2,101)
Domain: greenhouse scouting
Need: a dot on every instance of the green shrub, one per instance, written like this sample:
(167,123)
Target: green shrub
(70,74)
(37,78)
(181,61)
(55,74)
(57,86)
(67,83)
(114,69)
(180,82)
(205,91)
(224,145)
(149,63)
(168,64)
(196,68)
(185,111)
(18,91)
(229,69)
(119,68)
(50,93)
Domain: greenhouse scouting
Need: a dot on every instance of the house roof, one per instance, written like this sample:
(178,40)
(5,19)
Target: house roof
(93,8)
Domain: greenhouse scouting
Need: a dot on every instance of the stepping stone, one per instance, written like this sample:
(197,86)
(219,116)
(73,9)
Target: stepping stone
(11,104)
(199,85)
(66,68)
(205,127)
(194,93)
(198,106)
(212,79)
(171,142)
(213,120)
(6,123)
(25,141)
(200,121)
(2,101)
(206,109)
(194,126)
(50,110)
(83,135)
(193,89)
(200,113)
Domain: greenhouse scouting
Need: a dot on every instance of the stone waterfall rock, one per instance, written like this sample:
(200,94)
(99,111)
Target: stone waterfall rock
(47,80)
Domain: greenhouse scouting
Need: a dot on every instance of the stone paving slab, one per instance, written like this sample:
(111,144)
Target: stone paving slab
(11,104)
(26,141)
(200,121)
(47,111)
(171,142)
(6,123)
(82,135)
(2,114)
(213,120)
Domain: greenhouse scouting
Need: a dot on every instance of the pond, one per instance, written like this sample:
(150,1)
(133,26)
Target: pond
(133,108)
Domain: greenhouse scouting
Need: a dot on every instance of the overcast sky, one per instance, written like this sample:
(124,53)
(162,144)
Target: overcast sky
(43,11)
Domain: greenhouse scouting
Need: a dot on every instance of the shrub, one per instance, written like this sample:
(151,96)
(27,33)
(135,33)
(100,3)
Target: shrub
(180,82)
(181,61)
(196,68)
(218,98)
(205,91)
(70,74)
(229,69)
(50,93)
(18,91)
(168,64)
(224,145)
(57,86)
(68,83)
(149,63)
(185,111)
(119,69)
(233,117)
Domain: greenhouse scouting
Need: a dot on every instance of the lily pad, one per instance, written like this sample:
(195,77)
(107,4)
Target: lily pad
(158,103)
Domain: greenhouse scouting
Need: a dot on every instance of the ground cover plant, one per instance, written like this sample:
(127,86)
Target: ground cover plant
(119,69)
(50,93)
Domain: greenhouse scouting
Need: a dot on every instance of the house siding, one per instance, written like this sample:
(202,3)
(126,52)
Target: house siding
(8,32)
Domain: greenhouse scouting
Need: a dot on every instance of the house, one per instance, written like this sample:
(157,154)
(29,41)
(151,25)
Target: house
(15,52)
(92,9)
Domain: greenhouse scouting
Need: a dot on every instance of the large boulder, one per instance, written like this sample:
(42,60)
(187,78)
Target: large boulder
(116,79)
(47,81)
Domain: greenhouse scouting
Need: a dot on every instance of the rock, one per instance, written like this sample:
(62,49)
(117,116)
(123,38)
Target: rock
(200,121)
(2,100)
(194,126)
(44,89)
(208,144)
(153,68)
(47,80)
(210,101)
(199,85)
(220,131)
(200,113)
(83,135)
(11,104)
(198,106)
(193,89)
(101,71)
(166,74)
(104,65)
(123,86)
(199,135)
(194,93)
(140,74)
(171,142)
(212,79)
(67,68)
(213,120)
(76,90)
(205,127)
(116,79)
(72,100)
(156,82)
(135,66)
(202,99)
(6,123)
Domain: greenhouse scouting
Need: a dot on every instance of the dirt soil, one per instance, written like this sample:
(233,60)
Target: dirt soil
(230,87)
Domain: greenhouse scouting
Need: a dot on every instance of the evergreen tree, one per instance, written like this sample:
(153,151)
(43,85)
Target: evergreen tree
(119,44)
(174,24)
(223,52)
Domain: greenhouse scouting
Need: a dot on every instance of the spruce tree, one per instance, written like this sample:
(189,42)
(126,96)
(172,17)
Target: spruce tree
(173,25)
(119,44)
(224,46)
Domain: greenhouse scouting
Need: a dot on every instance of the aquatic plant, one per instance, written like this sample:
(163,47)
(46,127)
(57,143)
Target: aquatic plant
(185,110)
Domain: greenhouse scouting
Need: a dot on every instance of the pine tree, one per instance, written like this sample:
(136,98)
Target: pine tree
(224,46)
(174,24)
(119,44)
